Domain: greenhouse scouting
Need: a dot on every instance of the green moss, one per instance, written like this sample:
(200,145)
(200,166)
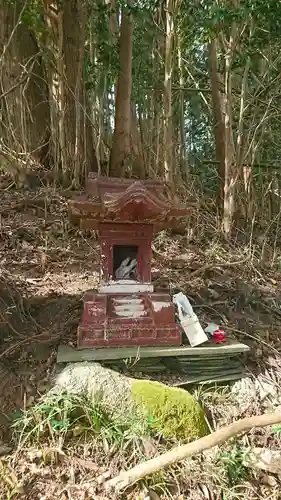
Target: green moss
(174,412)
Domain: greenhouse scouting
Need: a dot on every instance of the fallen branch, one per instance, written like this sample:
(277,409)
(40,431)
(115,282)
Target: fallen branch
(217,438)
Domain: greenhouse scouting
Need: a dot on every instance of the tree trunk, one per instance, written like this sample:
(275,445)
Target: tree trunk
(222,110)
(158,107)
(80,154)
(136,143)
(230,166)
(54,69)
(183,156)
(138,165)
(156,131)
(23,90)
(169,166)
(71,127)
(121,146)
(219,131)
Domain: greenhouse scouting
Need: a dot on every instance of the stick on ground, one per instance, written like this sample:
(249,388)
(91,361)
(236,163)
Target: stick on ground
(129,477)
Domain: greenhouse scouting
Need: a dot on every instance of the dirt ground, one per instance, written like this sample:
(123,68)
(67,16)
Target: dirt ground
(47,264)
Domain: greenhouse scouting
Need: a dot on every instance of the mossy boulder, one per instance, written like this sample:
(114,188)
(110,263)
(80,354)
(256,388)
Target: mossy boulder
(171,411)
(174,412)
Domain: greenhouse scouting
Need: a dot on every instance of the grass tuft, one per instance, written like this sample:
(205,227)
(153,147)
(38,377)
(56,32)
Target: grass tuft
(66,417)
(232,465)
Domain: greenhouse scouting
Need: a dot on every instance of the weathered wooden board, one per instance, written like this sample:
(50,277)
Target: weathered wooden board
(68,354)
(215,380)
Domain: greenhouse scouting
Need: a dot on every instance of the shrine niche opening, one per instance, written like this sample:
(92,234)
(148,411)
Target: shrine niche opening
(125,262)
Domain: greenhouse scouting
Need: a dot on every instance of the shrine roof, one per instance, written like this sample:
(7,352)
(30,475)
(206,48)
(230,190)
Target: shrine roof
(109,199)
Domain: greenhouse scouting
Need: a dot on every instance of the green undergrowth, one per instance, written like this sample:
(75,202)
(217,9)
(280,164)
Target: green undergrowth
(173,412)
(66,417)
(231,462)
(160,412)
(60,422)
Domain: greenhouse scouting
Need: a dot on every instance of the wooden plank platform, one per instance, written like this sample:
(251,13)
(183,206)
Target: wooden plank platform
(68,354)
(216,380)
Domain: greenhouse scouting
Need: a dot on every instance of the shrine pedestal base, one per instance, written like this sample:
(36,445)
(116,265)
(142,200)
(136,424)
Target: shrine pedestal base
(139,319)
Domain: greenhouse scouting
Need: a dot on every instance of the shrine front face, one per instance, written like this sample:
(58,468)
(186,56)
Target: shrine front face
(125,252)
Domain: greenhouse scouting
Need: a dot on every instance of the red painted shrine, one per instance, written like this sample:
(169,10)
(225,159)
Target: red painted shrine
(126,311)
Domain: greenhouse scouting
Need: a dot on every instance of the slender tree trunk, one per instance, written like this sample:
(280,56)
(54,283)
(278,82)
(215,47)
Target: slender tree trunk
(149,140)
(54,69)
(71,127)
(223,131)
(183,158)
(136,143)
(121,146)
(113,19)
(138,166)
(158,100)
(156,139)
(230,167)
(169,166)
(80,152)
(219,130)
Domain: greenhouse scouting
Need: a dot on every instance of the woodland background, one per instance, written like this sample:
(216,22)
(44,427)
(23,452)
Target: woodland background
(185,91)
(188,91)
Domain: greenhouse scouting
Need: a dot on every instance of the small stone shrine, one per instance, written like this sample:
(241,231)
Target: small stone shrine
(126,311)
(126,319)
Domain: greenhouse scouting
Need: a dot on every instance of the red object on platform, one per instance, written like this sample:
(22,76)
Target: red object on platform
(219,336)
(126,311)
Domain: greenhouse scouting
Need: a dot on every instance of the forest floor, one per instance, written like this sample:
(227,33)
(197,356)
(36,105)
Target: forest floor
(47,264)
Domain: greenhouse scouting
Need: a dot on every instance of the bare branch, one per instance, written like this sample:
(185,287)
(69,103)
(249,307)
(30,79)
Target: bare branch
(217,438)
